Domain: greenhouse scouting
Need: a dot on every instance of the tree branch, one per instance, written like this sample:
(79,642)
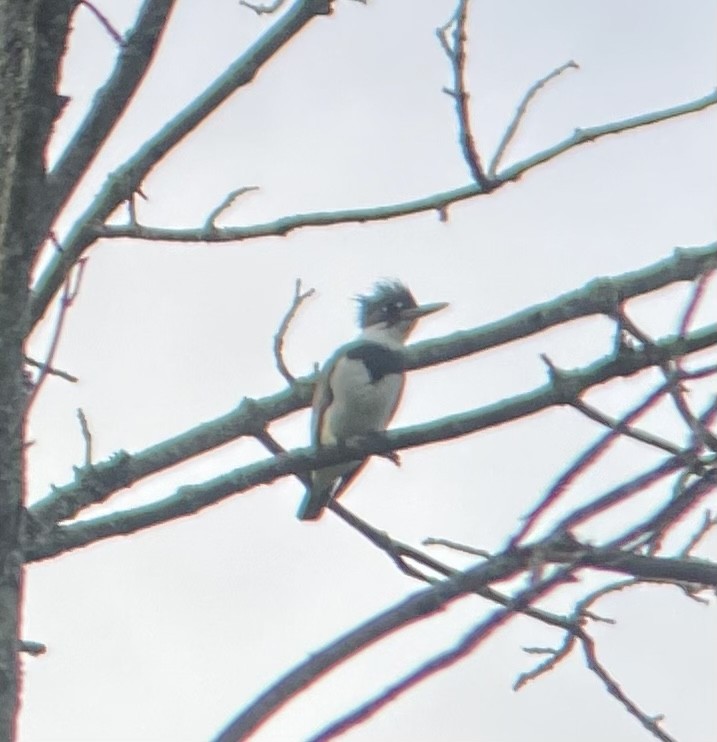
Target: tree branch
(128,178)
(110,102)
(442,661)
(252,416)
(438,202)
(512,129)
(298,300)
(189,499)
(428,601)
(418,606)
(456,53)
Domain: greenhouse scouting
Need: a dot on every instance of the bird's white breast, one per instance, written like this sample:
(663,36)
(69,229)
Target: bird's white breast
(359,405)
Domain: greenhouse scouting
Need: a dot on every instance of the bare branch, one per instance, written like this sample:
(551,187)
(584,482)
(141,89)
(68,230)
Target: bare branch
(651,723)
(708,523)
(86,435)
(399,552)
(581,464)
(641,482)
(414,608)
(456,53)
(550,663)
(670,514)
(51,371)
(263,9)
(225,204)
(698,291)
(619,427)
(437,202)
(619,494)
(110,102)
(192,498)
(104,22)
(438,663)
(32,648)
(520,113)
(457,547)
(701,434)
(128,178)
(69,294)
(299,299)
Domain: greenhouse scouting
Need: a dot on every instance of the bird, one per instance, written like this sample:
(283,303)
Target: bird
(360,386)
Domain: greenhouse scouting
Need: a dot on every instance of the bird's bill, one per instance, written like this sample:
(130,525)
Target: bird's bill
(423,310)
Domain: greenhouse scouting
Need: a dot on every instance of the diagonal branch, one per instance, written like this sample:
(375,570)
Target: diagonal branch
(127,179)
(438,202)
(652,724)
(456,53)
(104,21)
(252,416)
(299,298)
(110,102)
(427,602)
(191,498)
(69,293)
(418,606)
(512,129)
(440,662)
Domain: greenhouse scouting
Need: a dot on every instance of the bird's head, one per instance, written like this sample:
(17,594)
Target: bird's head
(391,310)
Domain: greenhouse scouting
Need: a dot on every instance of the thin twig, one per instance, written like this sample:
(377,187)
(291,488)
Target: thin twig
(435,202)
(581,464)
(456,53)
(708,523)
(702,436)
(619,494)
(698,291)
(443,660)
(52,371)
(556,656)
(520,113)
(86,435)
(70,290)
(263,9)
(34,649)
(669,515)
(625,430)
(104,21)
(298,300)
(651,723)
(228,200)
(457,547)
(395,550)
(399,551)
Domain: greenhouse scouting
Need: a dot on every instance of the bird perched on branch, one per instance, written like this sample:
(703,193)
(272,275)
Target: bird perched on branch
(360,386)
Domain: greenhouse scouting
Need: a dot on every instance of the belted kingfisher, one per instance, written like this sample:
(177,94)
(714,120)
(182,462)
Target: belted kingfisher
(360,386)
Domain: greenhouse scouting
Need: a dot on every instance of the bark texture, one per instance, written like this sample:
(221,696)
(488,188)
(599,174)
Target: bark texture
(32,40)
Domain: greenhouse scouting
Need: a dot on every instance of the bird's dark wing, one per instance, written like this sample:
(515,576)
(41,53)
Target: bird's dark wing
(378,359)
(319,493)
(327,483)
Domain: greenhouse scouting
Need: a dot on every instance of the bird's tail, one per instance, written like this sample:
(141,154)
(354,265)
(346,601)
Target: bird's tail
(315,500)
(326,484)
(311,507)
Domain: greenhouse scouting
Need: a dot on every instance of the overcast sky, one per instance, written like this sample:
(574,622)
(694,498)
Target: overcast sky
(165,634)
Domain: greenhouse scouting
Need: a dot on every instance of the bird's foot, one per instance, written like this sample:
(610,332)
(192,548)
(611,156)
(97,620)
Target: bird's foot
(392,456)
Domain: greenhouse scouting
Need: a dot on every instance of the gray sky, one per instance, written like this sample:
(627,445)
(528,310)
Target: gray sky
(165,634)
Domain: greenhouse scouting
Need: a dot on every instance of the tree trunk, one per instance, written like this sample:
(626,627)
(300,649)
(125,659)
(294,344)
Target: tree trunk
(32,38)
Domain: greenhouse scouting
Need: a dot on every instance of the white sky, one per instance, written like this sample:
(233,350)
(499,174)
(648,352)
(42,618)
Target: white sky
(165,634)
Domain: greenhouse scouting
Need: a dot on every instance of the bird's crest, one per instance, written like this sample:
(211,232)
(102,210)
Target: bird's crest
(388,298)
